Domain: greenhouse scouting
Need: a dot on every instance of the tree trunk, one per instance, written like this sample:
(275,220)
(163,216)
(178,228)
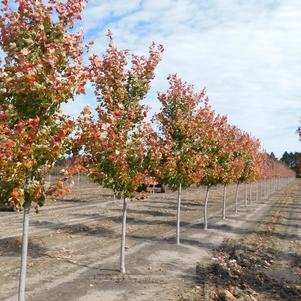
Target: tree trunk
(250,193)
(78,178)
(179,214)
(257,191)
(224,202)
(236,198)
(266,188)
(22,280)
(123,233)
(246,195)
(205,209)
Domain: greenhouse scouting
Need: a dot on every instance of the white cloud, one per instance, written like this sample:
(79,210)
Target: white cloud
(247,54)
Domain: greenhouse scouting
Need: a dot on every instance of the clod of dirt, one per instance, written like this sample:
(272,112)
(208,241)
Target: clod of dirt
(225,295)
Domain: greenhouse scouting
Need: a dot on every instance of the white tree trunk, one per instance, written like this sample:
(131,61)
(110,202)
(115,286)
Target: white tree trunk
(123,233)
(257,191)
(206,209)
(22,280)
(246,195)
(179,214)
(236,198)
(266,188)
(250,193)
(224,202)
(261,190)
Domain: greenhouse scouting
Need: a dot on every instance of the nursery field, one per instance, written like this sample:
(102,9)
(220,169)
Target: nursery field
(74,247)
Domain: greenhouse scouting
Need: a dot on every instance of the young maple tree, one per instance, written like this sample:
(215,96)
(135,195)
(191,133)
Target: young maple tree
(226,157)
(223,146)
(42,68)
(178,161)
(247,164)
(272,171)
(251,171)
(213,151)
(114,143)
(239,165)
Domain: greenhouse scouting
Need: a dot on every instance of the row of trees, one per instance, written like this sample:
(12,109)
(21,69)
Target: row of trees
(116,146)
(192,145)
(293,160)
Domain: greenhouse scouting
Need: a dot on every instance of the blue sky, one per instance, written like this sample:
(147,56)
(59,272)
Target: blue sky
(247,53)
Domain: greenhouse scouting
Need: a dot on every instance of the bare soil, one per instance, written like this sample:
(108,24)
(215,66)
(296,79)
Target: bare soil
(74,246)
(264,264)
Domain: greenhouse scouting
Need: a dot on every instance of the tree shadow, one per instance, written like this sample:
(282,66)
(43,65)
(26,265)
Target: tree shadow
(172,241)
(283,217)
(286,207)
(74,229)
(166,201)
(255,221)
(240,231)
(12,247)
(72,200)
(147,212)
(83,199)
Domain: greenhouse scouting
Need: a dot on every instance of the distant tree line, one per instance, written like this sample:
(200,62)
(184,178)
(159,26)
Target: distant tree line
(293,160)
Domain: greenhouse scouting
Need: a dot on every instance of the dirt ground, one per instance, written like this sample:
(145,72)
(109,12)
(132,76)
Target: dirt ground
(74,248)
(263,263)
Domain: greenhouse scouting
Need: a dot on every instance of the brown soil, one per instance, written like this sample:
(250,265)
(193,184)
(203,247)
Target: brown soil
(74,244)
(265,264)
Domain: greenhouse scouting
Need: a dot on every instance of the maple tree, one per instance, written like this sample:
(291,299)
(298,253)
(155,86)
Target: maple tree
(270,170)
(227,155)
(213,151)
(228,152)
(177,149)
(250,158)
(42,68)
(114,141)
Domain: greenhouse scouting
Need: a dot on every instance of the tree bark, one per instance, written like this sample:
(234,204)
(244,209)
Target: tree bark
(250,193)
(78,178)
(205,209)
(123,233)
(257,191)
(224,202)
(22,281)
(179,214)
(236,198)
(246,195)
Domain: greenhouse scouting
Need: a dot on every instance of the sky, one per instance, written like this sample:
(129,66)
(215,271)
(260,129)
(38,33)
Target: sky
(247,53)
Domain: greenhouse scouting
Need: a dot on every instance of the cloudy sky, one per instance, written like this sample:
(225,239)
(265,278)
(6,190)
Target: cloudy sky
(247,53)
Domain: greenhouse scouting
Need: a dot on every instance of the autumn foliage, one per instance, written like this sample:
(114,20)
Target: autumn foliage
(175,154)
(114,143)
(42,69)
